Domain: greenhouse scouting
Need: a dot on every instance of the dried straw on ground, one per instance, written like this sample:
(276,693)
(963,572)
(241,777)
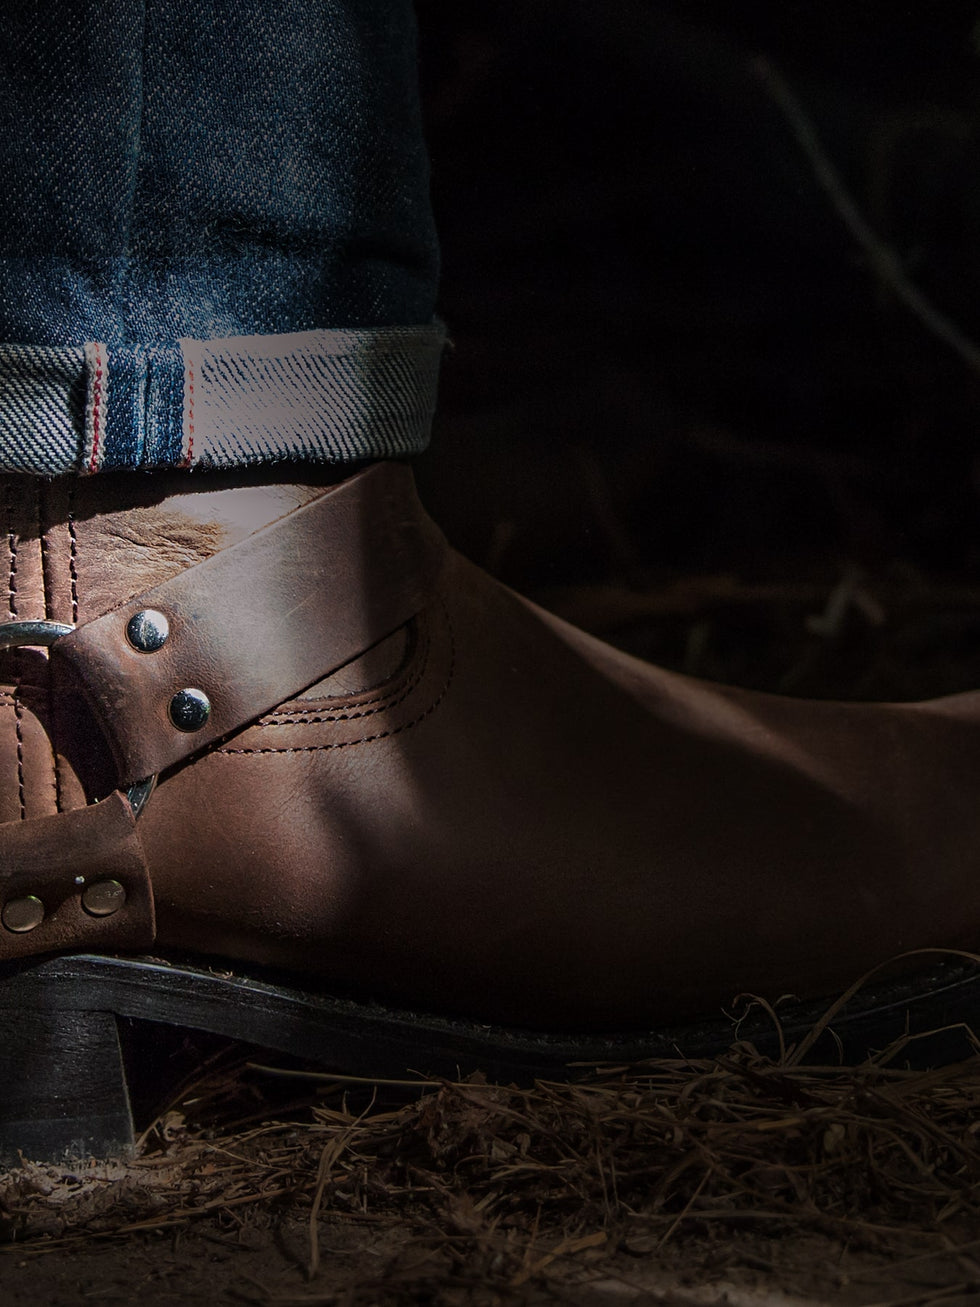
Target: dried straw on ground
(519,1188)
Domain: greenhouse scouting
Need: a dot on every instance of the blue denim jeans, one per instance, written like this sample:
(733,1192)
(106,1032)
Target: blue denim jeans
(217,247)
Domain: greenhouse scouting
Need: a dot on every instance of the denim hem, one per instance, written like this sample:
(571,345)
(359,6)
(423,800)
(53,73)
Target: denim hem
(312,396)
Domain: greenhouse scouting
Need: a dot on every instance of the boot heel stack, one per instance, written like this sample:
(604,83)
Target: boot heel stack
(63,1090)
(65,1023)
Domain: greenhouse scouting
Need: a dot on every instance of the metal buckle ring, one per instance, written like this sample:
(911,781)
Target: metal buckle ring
(18,635)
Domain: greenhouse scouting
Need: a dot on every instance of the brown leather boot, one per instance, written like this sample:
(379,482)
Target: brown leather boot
(391,780)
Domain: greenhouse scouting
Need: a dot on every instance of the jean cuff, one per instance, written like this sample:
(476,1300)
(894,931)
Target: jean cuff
(310,396)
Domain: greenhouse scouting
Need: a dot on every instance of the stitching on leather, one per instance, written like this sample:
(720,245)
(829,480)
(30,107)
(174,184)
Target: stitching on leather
(73,555)
(44,544)
(354,716)
(12,556)
(19,733)
(367,708)
(298,715)
(380,735)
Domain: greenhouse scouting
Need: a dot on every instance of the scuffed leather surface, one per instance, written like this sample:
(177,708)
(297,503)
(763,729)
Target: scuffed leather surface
(517,823)
(307,578)
(535,829)
(55,858)
(74,549)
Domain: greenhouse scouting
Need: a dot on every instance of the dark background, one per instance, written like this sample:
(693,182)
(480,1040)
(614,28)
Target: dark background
(681,407)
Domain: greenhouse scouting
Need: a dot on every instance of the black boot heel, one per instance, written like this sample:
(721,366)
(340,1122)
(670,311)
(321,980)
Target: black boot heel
(62,1086)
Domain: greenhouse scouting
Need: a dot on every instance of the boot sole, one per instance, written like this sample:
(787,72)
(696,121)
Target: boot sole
(63,1086)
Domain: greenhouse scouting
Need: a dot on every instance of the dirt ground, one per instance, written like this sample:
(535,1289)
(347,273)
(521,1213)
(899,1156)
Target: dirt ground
(263,1259)
(737,1181)
(253,1264)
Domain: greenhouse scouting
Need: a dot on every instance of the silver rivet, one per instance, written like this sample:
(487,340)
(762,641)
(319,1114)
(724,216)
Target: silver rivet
(104,898)
(21,915)
(190,709)
(147,631)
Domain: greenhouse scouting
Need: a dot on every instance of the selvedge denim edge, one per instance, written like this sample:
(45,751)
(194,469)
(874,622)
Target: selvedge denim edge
(319,396)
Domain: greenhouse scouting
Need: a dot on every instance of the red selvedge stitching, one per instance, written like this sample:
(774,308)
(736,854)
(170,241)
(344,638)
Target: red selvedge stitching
(98,408)
(12,607)
(189,383)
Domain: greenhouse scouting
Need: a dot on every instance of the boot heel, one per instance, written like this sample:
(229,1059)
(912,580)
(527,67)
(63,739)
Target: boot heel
(62,1086)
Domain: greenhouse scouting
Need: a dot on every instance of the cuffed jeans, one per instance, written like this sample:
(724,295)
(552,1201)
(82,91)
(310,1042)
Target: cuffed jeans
(217,247)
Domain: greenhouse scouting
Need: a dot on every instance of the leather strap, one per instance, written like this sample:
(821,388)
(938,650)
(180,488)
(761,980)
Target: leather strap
(261,621)
(52,863)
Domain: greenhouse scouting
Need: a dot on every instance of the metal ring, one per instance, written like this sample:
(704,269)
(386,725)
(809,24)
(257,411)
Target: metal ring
(19,635)
(13,635)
